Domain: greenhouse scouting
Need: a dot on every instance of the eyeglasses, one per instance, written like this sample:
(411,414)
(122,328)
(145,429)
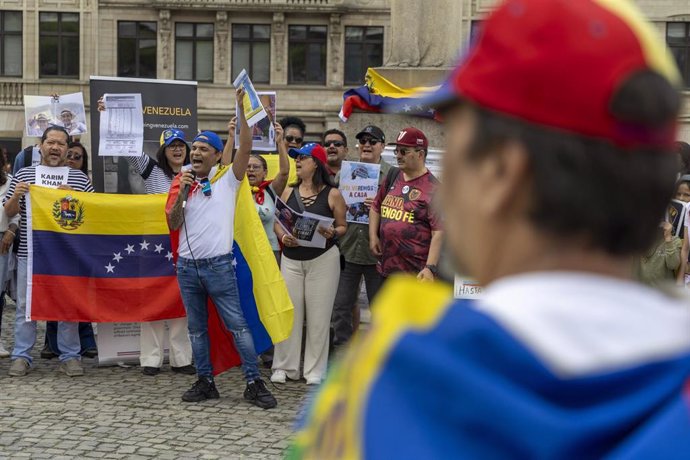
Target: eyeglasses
(296,140)
(368,140)
(334,143)
(176,147)
(253,167)
(404,152)
(74,156)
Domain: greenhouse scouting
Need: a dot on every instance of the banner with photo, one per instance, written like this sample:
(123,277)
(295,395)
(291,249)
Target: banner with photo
(165,104)
(358,182)
(263,132)
(66,110)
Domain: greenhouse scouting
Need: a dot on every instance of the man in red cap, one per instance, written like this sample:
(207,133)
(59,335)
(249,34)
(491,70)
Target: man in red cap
(404,230)
(559,165)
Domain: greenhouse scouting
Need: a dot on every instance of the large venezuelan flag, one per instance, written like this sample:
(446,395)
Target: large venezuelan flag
(381,95)
(99,257)
(264,296)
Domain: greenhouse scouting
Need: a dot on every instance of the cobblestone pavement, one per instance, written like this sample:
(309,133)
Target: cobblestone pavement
(115,412)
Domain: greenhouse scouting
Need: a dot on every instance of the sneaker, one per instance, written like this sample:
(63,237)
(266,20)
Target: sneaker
(204,388)
(3,352)
(47,353)
(187,370)
(146,370)
(19,367)
(278,376)
(257,394)
(72,368)
(313,381)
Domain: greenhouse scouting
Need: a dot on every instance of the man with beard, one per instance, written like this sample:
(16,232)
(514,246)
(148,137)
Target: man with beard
(335,143)
(404,230)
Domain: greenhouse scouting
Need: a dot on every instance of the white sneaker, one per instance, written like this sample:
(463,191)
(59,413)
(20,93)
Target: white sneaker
(313,381)
(3,352)
(278,376)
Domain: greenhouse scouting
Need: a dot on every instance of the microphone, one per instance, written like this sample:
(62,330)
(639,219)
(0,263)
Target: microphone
(185,190)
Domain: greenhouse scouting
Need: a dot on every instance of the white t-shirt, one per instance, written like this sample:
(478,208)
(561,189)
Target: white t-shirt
(210,219)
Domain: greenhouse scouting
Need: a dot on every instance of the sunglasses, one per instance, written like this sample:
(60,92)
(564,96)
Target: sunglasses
(176,147)
(369,141)
(74,156)
(404,152)
(296,140)
(334,143)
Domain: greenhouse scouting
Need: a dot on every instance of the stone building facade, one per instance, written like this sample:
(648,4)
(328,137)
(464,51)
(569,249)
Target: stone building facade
(398,29)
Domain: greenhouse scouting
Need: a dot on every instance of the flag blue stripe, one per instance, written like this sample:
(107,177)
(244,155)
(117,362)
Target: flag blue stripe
(245,283)
(101,256)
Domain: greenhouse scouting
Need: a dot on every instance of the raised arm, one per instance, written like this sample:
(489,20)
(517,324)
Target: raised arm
(281,179)
(239,166)
(226,159)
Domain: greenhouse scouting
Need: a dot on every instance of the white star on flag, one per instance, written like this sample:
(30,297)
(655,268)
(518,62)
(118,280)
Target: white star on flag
(431,111)
(129,248)
(144,245)
(420,108)
(159,248)
(110,268)
(234,262)
(407,108)
(169,256)
(117,256)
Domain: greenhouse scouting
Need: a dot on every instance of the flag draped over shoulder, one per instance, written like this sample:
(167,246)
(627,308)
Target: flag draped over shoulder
(380,95)
(437,378)
(264,297)
(99,257)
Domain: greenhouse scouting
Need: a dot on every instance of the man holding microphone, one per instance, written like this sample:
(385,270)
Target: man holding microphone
(204,212)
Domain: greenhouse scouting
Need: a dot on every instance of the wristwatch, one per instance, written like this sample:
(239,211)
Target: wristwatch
(433,269)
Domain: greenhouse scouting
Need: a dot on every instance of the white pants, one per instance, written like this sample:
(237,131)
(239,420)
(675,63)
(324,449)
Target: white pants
(151,343)
(312,285)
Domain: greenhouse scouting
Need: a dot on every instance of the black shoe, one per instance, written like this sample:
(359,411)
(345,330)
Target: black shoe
(257,394)
(146,370)
(203,389)
(47,353)
(90,353)
(187,370)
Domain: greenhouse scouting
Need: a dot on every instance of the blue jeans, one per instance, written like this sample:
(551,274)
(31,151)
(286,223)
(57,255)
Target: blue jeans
(25,331)
(215,279)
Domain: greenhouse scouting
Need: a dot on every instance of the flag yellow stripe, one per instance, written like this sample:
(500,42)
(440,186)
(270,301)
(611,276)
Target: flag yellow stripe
(657,55)
(101,213)
(379,85)
(337,419)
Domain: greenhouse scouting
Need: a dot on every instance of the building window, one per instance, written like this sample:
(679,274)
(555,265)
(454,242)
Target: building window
(363,49)
(59,44)
(11,43)
(475,30)
(194,51)
(307,58)
(678,40)
(136,49)
(251,50)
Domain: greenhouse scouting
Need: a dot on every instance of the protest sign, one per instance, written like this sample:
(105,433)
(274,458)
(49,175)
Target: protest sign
(253,109)
(675,215)
(122,126)
(303,226)
(358,182)
(165,104)
(51,177)
(66,111)
(466,288)
(264,132)
(119,343)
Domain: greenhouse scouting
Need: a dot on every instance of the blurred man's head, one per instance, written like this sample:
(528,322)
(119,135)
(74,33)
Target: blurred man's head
(573,152)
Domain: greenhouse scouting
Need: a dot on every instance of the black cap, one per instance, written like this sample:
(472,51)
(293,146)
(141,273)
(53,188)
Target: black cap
(373,131)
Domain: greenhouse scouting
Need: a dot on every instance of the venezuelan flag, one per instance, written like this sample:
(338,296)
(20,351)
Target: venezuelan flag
(99,257)
(264,298)
(381,95)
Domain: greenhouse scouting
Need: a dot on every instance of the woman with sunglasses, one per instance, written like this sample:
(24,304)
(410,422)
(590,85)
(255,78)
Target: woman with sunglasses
(311,274)
(77,157)
(294,129)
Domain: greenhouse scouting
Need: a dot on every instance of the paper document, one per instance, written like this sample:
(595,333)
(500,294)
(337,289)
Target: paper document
(122,126)
(358,182)
(47,176)
(253,109)
(264,132)
(302,225)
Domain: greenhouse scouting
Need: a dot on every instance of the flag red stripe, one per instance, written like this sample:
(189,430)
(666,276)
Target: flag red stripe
(101,300)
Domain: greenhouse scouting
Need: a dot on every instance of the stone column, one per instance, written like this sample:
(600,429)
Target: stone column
(278,49)
(166,68)
(334,69)
(221,70)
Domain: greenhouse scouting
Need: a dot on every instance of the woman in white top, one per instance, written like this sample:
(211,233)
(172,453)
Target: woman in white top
(8,230)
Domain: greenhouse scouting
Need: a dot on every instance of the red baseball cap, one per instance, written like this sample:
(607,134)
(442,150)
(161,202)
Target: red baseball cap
(559,63)
(411,137)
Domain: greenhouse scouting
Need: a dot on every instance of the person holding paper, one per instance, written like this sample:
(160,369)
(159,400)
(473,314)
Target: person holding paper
(53,149)
(158,174)
(311,274)
(360,262)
